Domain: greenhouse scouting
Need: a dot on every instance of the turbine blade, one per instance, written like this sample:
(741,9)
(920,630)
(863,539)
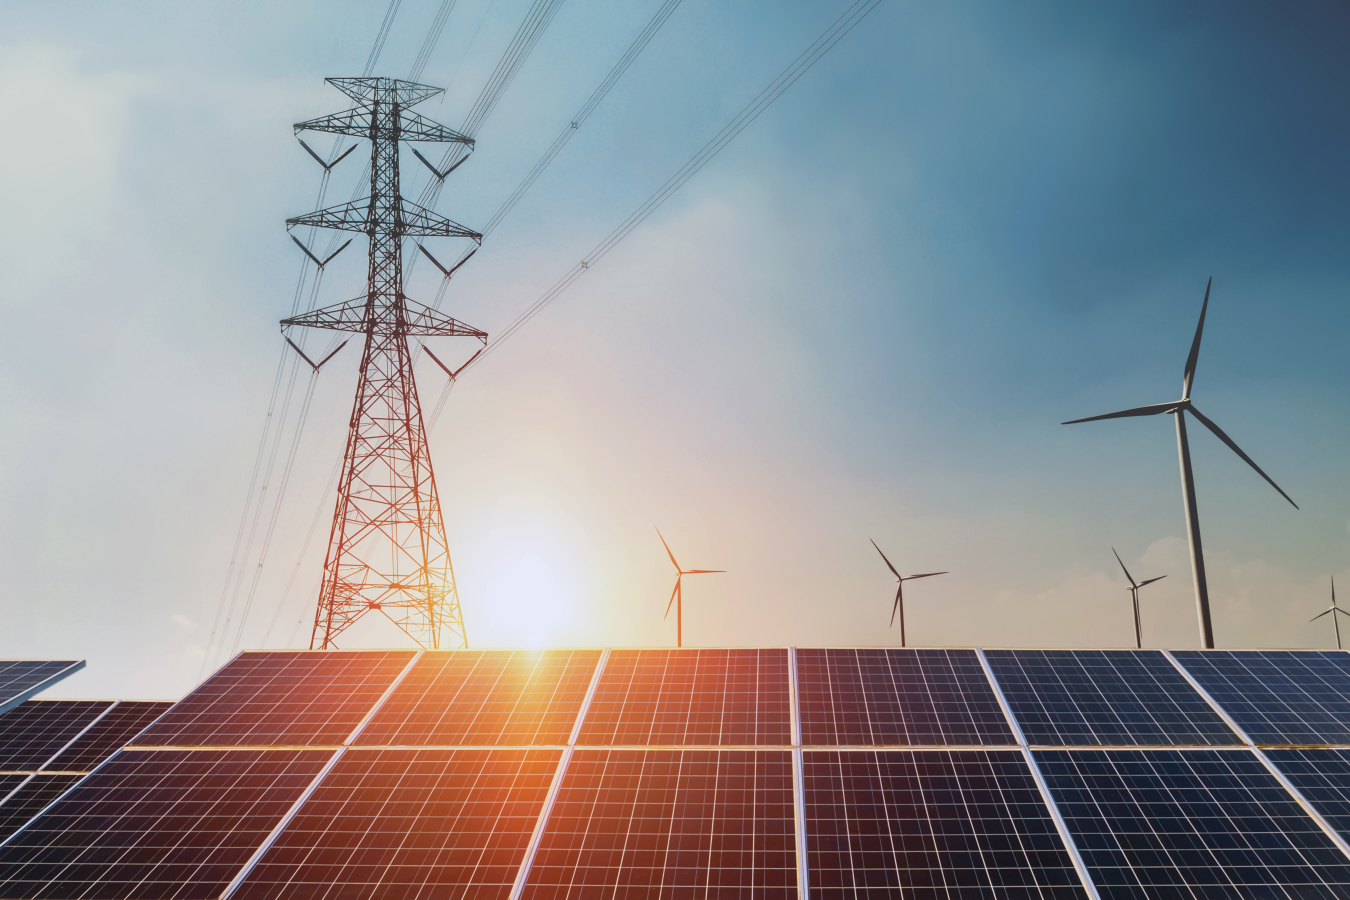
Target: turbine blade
(896,606)
(1125,570)
(668,553)
(888,562)
(1341,611)
(1218,432)
(672,599)
(1333,590)
(1151,580)
(704,571)
(1151,410)
(1189,375)
(1321,614)
(924,575)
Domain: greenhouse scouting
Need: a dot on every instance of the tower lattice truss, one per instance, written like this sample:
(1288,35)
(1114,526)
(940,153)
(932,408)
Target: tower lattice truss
(387,550)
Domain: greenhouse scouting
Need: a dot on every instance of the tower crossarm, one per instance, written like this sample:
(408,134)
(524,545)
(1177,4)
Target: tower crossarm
(353,216)
(418,320)
(420,221)
(355,122)
(365,90)
(413,127)
(413,221)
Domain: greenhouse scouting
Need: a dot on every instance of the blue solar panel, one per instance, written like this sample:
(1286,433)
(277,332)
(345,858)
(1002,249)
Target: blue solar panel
(1191,823)
(897,696)
(1094,697)
(1278,696)
(20,679)
(1322,775)
(932,824)
(29,798)
(32,733)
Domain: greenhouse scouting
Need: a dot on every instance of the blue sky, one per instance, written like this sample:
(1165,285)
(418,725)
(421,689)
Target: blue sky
(865,319)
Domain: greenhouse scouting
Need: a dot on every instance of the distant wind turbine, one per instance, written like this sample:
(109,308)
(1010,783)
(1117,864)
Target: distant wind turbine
(1179,408)
(677,595)
(1134,595)
(1332,612)
(899,592)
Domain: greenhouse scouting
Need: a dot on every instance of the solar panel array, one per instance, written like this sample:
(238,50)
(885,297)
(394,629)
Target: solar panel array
(728,773)
(20,679)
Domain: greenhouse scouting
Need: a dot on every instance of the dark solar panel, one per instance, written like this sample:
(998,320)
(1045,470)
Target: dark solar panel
(22,678)
(1191,823)
(29,800)
(1278,696)
(279,699)
(670,823)
(121,723)
(1322,775)
(691,697)
(157,825)
(931,824)
(896,696)
(409,824)
(1104,697)
(486,697)
(30,734)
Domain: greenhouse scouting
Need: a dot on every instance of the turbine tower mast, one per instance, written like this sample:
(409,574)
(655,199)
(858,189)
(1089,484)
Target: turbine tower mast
(387,550)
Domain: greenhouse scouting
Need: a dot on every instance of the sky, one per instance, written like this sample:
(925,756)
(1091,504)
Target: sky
(864,320)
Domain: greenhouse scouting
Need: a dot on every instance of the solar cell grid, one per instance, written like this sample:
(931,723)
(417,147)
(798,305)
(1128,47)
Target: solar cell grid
(666,697)
(1191,823)
(485,697)
(22,678)
(1278,696)
(931,824)
(280,699)
(1322,775)
(121,723)
(897,696)
(31,733)
(157,825)
(670,823)
(425,824)
(1108,697)
(32,795)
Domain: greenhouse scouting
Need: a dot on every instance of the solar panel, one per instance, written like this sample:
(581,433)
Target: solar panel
(1104,697)
(1278,696)
(931,823)
(30,734)
(691,697)
(1191,823)
(428,824)
(285,698)
(897,696)
(485,697)
(22,678)
(1322,775)
(157,824)
(117,727)
(670,823)
(29,798)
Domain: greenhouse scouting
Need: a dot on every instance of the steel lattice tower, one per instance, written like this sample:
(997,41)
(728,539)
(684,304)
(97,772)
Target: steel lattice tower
(387,550)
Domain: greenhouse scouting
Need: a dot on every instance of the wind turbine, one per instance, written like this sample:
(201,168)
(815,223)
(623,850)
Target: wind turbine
(899,592)
(1179,408)
(1332,612)
(1134,595)
(677,595)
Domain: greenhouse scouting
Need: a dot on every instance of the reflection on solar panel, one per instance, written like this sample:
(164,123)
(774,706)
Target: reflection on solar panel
(117,727)
(931,823)
(1104,697)
(896,696)
(429,823)
(30,734)
(280,698)
(22,678)
(1278,696)
(486,697)
(28,800)
(691,697)
(1322,775)
(1184,823)
(157,824)
(670,823)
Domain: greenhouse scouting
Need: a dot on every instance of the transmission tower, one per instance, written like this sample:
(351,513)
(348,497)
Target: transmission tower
(387,550)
